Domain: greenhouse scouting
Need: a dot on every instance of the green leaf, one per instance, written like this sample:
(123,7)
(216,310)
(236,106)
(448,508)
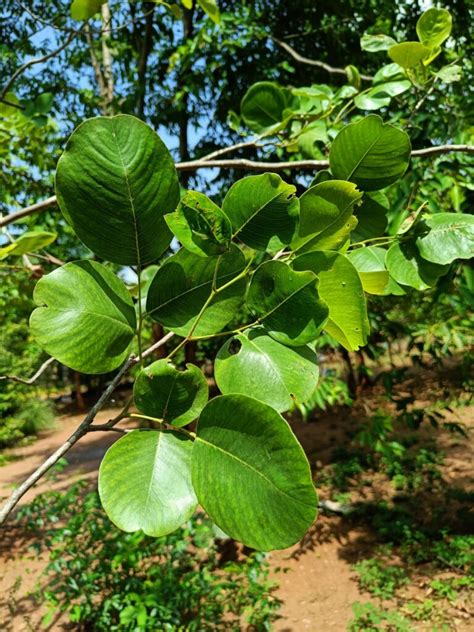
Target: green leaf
(263,211)
(372,217)
(85,317)
(176,397)
(200,225)
(450,237)
(29,241)
(254,364)
(450,74)
(145,482)
(183,284)
(114,182)
(263,105)
(325,214)
(407,267)
(376,43)
(371,153)
(408,54)
(341,288)
(380,95)
(251,475)
(434,27)
(389,72)
(287,303)
(370,264)
(211,9)
(85,9)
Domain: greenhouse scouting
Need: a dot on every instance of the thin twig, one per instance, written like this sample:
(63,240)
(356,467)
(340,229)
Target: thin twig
(80,431)
(34,377)
(31,62)
(313,62)
(250,165)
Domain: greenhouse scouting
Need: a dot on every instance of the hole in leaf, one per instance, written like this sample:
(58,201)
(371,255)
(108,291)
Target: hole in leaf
(235,346)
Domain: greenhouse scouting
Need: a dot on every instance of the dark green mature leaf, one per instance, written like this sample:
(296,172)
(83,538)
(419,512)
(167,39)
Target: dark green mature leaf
(370,264)
(251,475)
(263,211)
(372,217)
(114,182)
(371,153)
(407,267)
(184,283)
(325,213)
(254,364)
(341,288)
(145,482)
(408,54)
(85,9)
(450,237)
(200,225)
(434,27)
(287,303)
(263,105)
(85,317)
(176,397)
(29,241)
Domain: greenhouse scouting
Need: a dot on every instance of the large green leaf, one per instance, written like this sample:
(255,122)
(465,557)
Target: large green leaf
(341,288)
(287,303)
(324,209)
(29,241)
(263,211)
(85,317)
(251,475)
(263,105)
(200,225)
(176,397)
(380,95)
(371,153)
(434,27)
(184,283)
(145,482)
(254,364)
(450,237)
(370,264)
(407,267)
(408,54)
(85,9)
(372,217)
(114,182)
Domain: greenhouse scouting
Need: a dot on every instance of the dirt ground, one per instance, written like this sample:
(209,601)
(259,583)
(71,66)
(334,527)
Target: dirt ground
(319,586)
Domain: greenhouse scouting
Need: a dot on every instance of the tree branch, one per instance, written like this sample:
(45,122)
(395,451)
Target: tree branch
(312,62)
(248,165)
(36,60)
(34,377)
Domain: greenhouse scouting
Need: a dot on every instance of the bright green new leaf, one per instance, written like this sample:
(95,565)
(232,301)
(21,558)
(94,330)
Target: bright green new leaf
(263,211)
(263,105)
(211,9)
(371,153)
(341,288)
(256,365)
(372,217)
(287,303)
(324,209)
(85,317)
(183,285)
(30,241)
(375,43)
(450,237)
(407,267)
(370,264)
(145,482)
(200,225)
(176,397)
(434,27)
(114,182)
(408,54)
(85,9)
(251,475)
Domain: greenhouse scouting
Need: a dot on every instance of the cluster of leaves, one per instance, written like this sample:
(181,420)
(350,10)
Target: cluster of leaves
(107,580)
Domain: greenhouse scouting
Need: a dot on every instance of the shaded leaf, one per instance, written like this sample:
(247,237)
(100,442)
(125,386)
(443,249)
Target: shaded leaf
(407,267)
(370,264)
(372,217)
(263,105)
